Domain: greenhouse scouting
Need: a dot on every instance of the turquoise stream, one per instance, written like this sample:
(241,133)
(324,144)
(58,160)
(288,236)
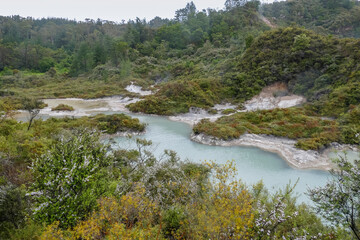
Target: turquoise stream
(253,164)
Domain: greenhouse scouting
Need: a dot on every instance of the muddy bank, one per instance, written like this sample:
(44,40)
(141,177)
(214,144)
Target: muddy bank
(137,89)
(274,96)
(86,107)
(195,114)
(82,107)
(284,147)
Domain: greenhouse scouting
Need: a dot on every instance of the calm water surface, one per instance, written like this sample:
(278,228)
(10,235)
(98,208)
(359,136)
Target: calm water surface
(253,164)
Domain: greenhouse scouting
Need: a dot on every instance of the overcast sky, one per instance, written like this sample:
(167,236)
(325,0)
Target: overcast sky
(114,10)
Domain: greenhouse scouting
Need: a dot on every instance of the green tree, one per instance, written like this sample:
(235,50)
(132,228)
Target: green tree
(70,178)
(184,14)
(99,55)
(339,200)
(46,63)
(6,55)
(119,52)
(33,106)
(301,42)
(136,32)
(197,36)
(174,34)
(82,59)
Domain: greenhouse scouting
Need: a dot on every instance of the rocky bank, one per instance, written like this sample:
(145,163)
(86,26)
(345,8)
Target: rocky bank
(284,147)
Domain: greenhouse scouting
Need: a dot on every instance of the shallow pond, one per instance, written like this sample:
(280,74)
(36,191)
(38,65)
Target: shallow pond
(253,164)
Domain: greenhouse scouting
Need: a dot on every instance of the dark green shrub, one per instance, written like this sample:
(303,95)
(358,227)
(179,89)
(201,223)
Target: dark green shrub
(228,111)
(173,219)
(63,107)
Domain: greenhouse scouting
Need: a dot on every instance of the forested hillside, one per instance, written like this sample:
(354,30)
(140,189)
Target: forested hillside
(64,58)
(78,47)
(336,17)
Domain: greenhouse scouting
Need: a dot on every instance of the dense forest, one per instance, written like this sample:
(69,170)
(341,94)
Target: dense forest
(59,180)
(323,16)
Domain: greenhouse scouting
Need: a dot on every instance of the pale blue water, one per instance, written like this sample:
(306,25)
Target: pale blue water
(253,164)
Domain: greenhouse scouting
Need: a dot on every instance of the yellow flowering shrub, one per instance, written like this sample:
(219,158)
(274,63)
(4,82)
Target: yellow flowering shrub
(225,212)
(129,218)
(52,232)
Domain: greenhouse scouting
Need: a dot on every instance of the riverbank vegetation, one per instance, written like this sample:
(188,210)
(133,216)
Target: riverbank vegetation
(312,132)
(178,96)
(77,189)
(19,145)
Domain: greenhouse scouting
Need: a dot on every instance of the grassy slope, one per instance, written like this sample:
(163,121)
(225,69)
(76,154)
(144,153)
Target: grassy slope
(313,65)
(324,69)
